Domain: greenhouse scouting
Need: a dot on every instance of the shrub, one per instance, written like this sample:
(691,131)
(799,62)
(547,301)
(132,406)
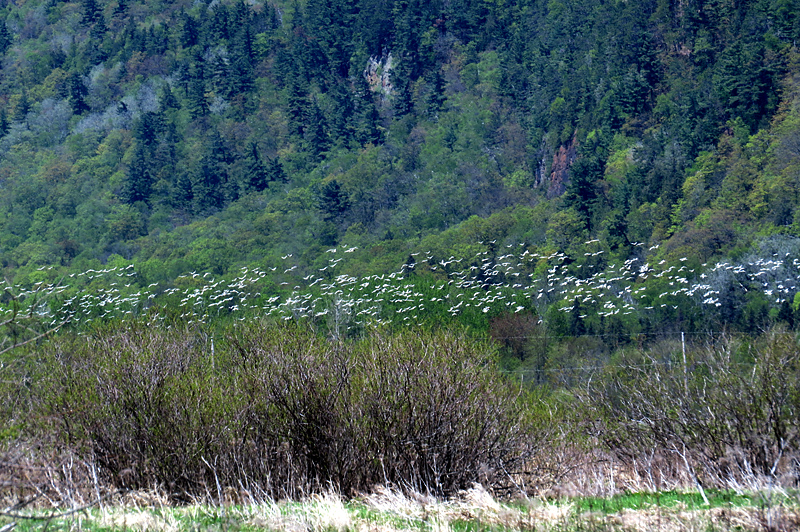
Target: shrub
(278,410)
(729,415)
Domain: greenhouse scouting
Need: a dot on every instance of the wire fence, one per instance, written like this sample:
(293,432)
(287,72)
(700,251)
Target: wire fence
(715,335)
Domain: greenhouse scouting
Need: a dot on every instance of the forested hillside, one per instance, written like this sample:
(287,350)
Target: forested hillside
(210,136)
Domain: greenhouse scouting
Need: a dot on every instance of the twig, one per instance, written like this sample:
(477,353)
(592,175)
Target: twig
(690,470)
(21,504)
(26,467)
(60,515)
(29,340)
(522,491)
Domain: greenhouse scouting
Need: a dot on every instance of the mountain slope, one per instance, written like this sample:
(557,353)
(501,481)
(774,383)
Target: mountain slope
(207,136)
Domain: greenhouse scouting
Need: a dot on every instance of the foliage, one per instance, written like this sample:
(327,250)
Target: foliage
(583,183)
(728,412)
(572,179)
(282,409)
(289,128)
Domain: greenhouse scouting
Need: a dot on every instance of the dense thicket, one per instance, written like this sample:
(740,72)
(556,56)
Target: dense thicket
(722,414)
(267,411)
(278,411)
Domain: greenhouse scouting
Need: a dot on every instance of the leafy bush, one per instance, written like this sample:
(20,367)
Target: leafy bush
(279,410)
(729,415)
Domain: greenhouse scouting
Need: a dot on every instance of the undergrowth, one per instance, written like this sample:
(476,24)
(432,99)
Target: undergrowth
(473,510)
(264,411)
(278,411)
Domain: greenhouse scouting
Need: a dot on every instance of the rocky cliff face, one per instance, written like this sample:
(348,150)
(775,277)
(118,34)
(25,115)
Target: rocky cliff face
(557,179)
(377,74)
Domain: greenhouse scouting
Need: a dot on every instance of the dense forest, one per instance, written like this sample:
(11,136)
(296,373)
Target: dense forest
(377,136)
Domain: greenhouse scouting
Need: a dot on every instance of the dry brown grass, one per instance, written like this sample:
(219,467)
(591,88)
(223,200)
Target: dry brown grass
(474,505)
(393,510)
(680,520)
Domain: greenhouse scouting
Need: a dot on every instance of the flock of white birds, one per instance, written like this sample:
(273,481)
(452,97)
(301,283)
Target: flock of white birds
(508,279)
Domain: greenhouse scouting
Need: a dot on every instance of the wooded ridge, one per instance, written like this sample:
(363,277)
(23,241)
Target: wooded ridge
(206,137)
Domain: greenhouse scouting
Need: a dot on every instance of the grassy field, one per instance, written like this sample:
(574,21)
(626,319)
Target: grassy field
(473,510)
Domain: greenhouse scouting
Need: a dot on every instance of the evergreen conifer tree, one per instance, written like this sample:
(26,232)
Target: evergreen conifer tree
(184,192)
(91,12)
(297,106)
(275,170)
(365,119)
(241,61)
(20,112)
(207,192)
(122,8)
(76,94)
(190,32)
(138,182)
(196,97)
(3,122)
(5,37)
(167,99)
(333,202)
(316,135)
(258,176)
